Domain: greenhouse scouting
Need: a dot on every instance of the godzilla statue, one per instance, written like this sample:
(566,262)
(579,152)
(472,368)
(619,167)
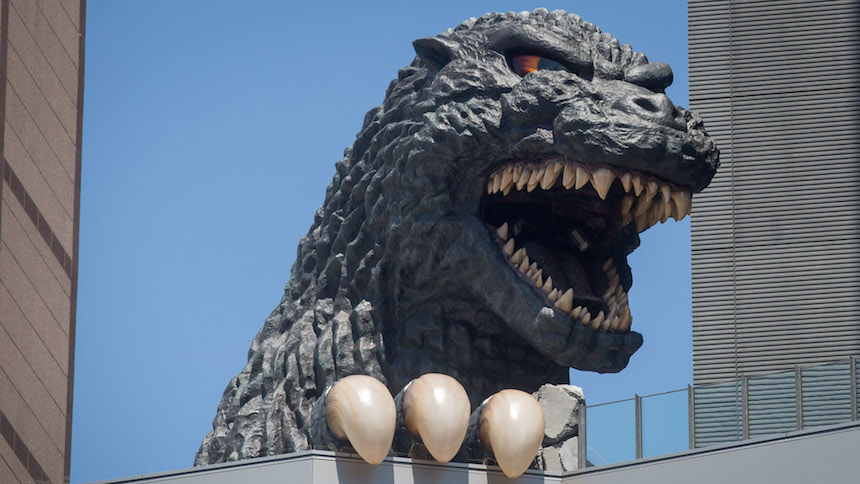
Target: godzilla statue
(478,227)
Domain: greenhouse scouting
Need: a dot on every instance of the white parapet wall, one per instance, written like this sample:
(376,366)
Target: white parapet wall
(825,455)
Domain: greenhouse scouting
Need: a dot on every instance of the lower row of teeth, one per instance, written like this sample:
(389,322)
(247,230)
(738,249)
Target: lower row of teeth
(618,318)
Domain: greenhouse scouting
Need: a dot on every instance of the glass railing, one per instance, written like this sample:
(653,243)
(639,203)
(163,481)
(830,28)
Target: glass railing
(611,432)
(705,415)
(665,423)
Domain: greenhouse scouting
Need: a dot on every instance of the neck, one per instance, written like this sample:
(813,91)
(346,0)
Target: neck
(483,363)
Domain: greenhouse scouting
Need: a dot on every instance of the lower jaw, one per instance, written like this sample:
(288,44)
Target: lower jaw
(611,314)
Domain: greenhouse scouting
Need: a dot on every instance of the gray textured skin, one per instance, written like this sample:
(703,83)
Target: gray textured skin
(399,276)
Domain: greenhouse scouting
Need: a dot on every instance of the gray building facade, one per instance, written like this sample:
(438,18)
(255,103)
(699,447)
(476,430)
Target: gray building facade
(776,237)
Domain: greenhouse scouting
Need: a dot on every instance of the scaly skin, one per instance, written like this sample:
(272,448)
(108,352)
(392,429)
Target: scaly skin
(399,274)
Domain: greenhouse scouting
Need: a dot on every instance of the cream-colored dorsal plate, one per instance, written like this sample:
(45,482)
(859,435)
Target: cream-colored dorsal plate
(436,409)
(360,409)
(512,426)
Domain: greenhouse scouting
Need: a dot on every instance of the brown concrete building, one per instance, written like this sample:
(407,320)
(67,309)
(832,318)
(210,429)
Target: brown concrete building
(41,96)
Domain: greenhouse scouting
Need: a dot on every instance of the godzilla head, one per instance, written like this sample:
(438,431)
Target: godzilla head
(509,172)
(479,226)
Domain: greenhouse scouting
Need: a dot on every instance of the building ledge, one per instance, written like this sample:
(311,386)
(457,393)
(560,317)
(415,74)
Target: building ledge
(825,454)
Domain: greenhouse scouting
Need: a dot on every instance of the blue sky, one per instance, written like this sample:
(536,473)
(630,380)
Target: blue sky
(210,133)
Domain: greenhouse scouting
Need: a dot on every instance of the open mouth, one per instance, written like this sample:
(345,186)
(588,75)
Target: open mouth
(567,227)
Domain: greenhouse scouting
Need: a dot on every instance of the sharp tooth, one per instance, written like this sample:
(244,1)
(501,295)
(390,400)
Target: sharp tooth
(582,177)
(613,280)
(613,325)
(533,266)
(626,180)
(619,290)
(509,247)
(536,177)
(625,219)
(551,175)
(645,200)
(359,409)
(553,295)
(613,308)
(569,176)
(642,222)
(666,191)
(524,178)
(576,312)
(531,272)
(518,255)
(609,292)
(602,179)
(607,265)
(511,426)
(604,326)
(683,200)
(637,184)
(547,286)
(597,321)
(611,302)
(524,265)
(539,281)
(502,231)
(565,302)
(651,189)
(627,204)
(642,206)
(436,408)
(507,178)
(625,320)
(609,268)
(497,182)
(675,211)
(490,187)
(507,190)
(657,213)
(585,317)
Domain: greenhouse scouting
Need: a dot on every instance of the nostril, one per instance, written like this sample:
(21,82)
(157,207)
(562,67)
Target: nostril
(646,104)
(652,107)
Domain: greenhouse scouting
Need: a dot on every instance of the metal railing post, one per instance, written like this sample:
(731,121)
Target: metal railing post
(745,407)
(798,396)
(691,416)
(852,362)
(638,425)
(582,448)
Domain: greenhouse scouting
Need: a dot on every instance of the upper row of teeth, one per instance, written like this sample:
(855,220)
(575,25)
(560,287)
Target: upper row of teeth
(618,318)
(640,202)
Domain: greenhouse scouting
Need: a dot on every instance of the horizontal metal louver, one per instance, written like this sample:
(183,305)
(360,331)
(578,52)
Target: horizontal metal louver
(776,237)
(718,417)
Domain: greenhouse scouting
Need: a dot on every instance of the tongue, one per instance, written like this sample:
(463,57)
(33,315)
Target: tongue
(566,269)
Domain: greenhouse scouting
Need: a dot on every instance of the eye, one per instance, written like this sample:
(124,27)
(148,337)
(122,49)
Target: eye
(523,64)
